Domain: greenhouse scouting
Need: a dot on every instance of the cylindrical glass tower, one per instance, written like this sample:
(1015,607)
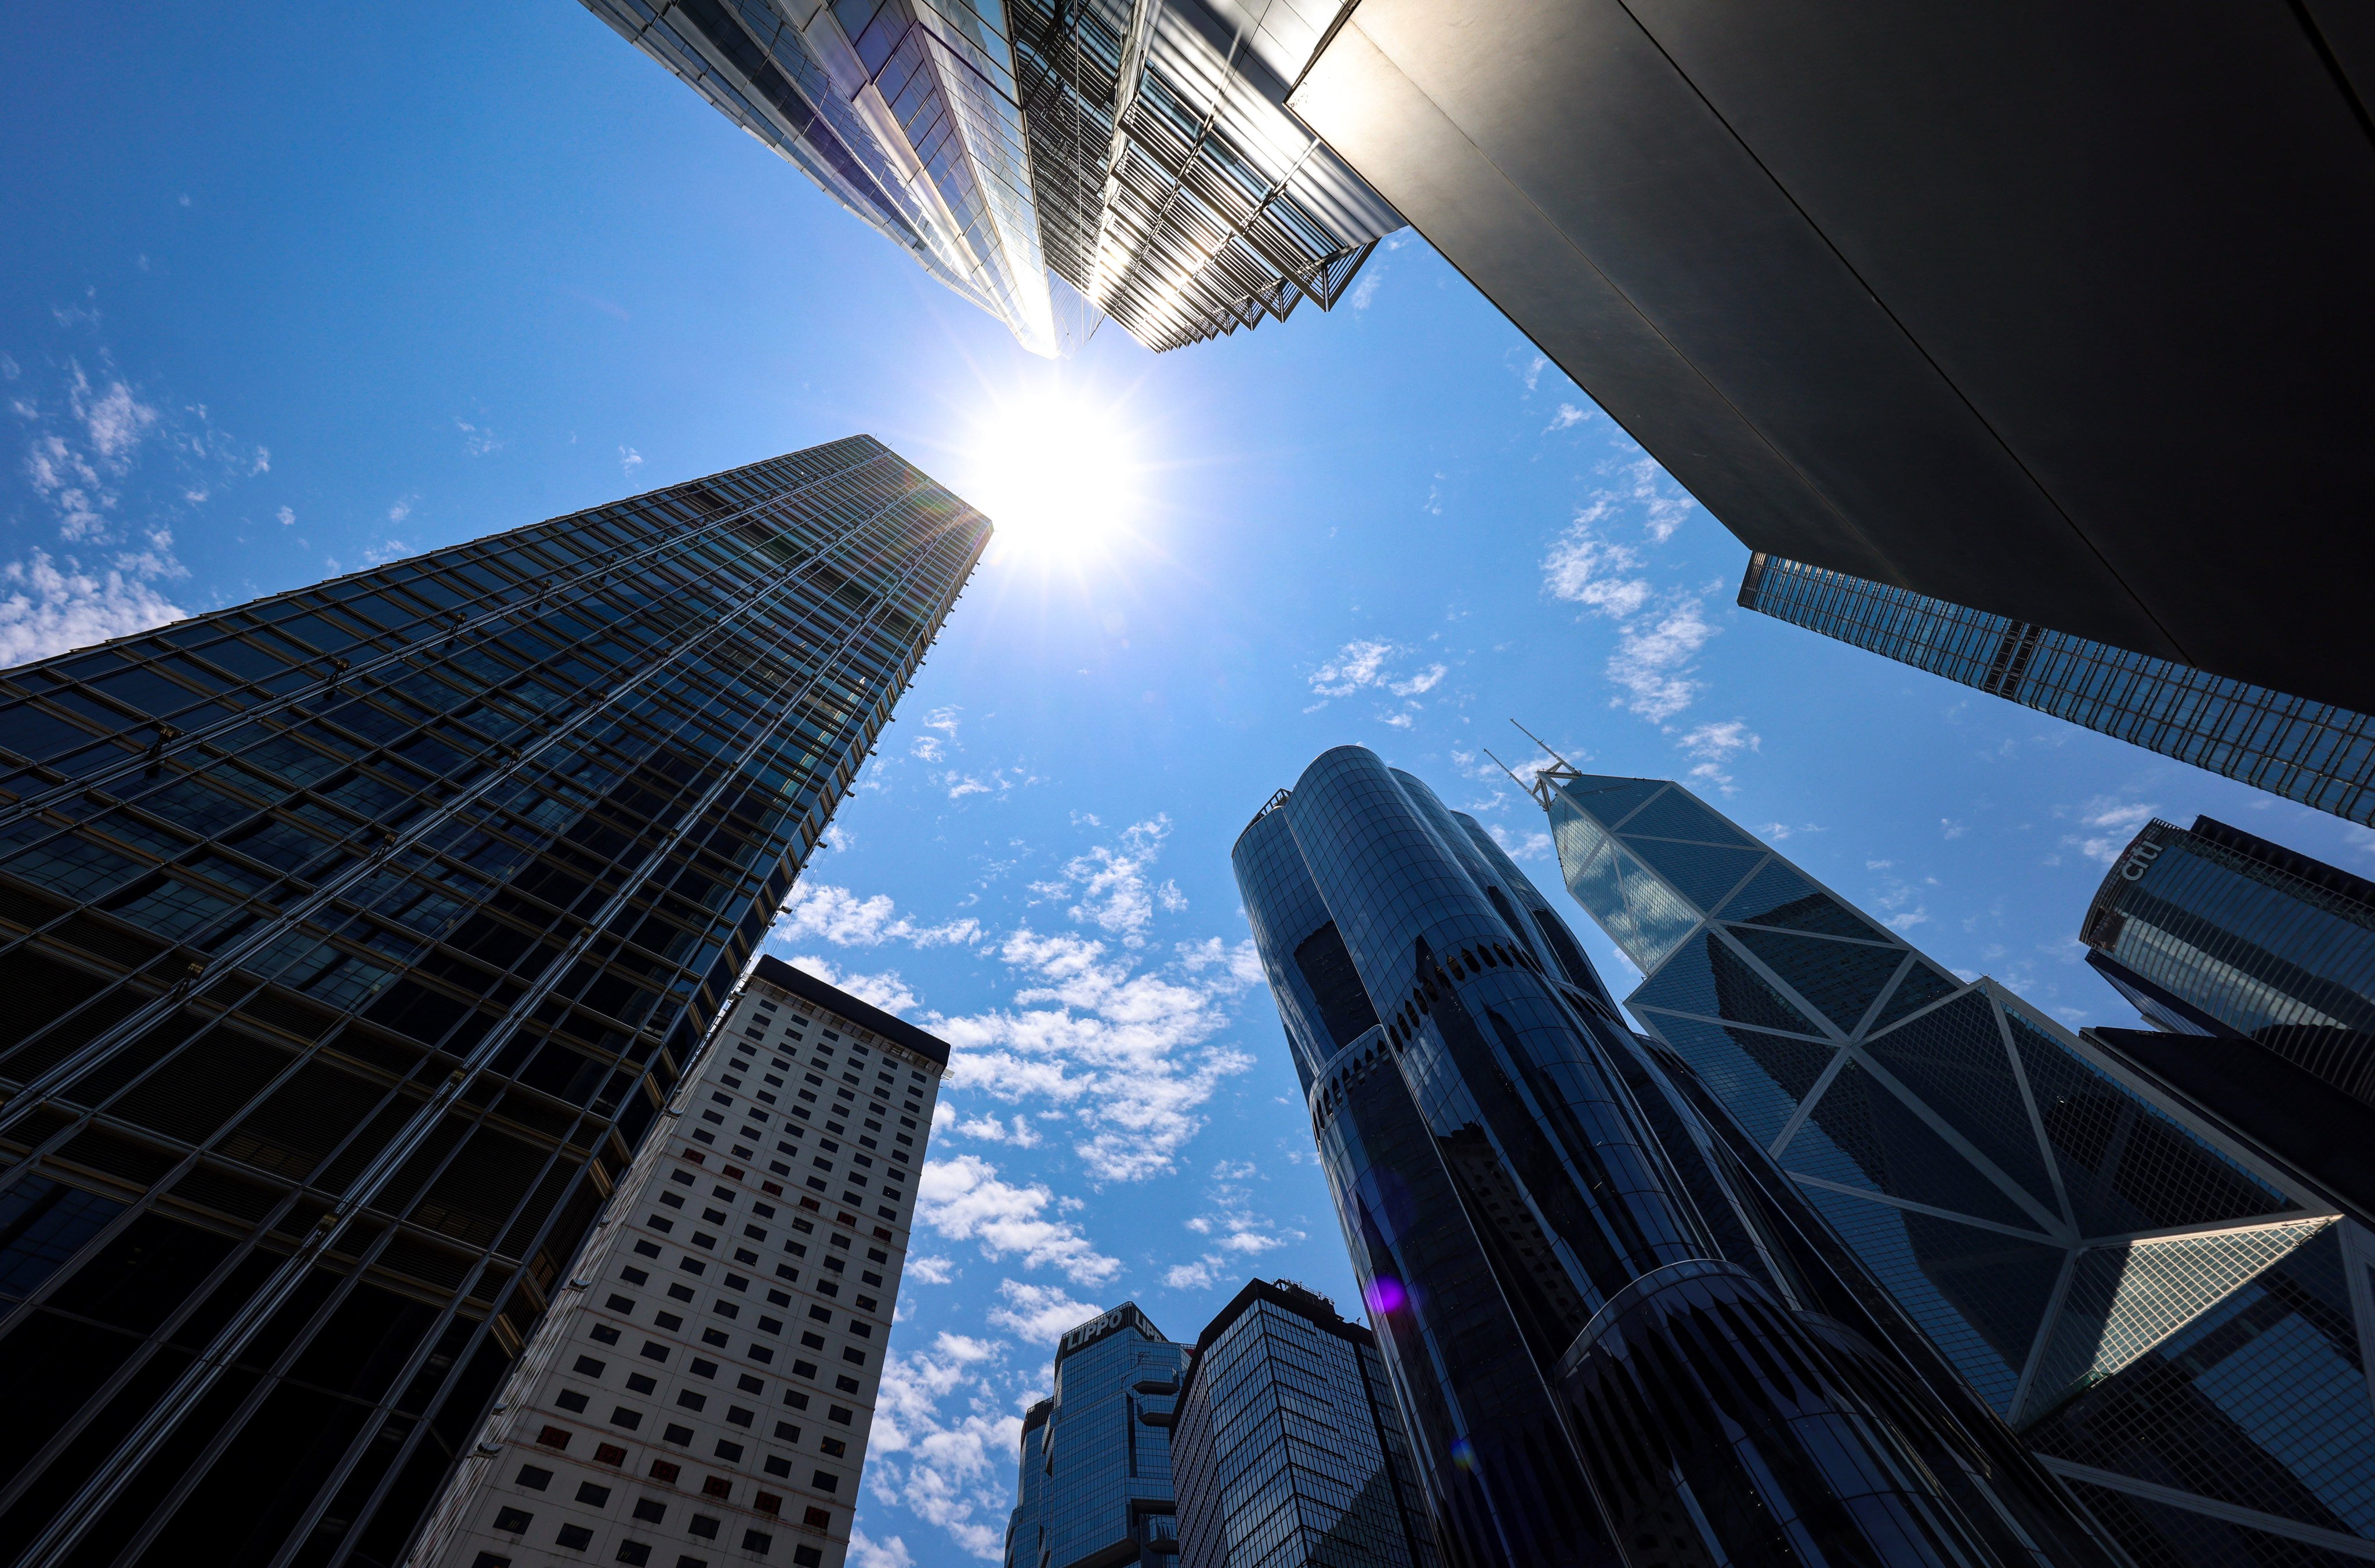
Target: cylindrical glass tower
(1593,1368)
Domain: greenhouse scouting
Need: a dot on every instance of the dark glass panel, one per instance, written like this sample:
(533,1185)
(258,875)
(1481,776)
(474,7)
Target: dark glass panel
(1843,979)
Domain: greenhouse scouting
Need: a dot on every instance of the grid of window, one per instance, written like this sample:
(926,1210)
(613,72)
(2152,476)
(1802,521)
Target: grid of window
(708,1386)
(2221,920)
(1173,189)
(1094,1482)
(351,939)
(1523,1188)
(955,195)
(2312,752)
(1994,1175)
(1287,1450)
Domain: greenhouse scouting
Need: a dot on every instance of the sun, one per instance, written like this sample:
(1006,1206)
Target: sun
(1054,466)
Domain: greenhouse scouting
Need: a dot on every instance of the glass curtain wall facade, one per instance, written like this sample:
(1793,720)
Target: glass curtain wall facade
(352,938)
(1176,192)
(1094,1490)
(2215,931)
(1288,1449)
(707,1386)
(2312,752)
(1593,1352)
(2173,1325)
(905,111)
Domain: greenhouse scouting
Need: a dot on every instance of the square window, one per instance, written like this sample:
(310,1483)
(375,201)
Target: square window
(825,1480)
(655,1350)
(669,1322)
(691,1400)
(737,1416)
(610,1453)
(749,1384)
(571,1400)
(688,1561)
(834,1447)
(535,1478)
(807,1557)
(681,1293)
(702,1368)
(818,1518)
(713,1336)
(623,1305)
(767,1502)
(840,1414)
(729,1452)
(592,1495)
(650,1510)
(604,1334)
(634,1277)
(626,1416)
(639,1383)
(756,1542)
(665,1471)
(512,1521)
(847,1385)
(777,1464)
(635,1553)
(795,1398)
(704,1526)
(574,1538)
(491,1560)
(678,1433)
(553,1437)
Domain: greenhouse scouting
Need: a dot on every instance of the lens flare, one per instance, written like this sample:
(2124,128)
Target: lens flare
(1386,1294)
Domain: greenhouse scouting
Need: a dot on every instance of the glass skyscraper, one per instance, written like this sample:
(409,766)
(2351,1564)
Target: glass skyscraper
(351,940)
(2312,752)
(905,111)
(1094,1490)
(1141,149)
(1176,192)
(2174,1326)
(1288,1449)
(706,1387)
(1596,1331)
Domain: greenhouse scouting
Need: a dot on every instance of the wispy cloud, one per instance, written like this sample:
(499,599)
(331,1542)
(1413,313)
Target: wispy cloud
(1715,745)
(822,909)
(629,461)
(478,440)
(2114,823)
(885,990)
(948,1468)
(1368,665)
(1567,419)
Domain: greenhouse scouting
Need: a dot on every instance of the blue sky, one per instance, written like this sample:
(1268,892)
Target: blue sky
(287,292)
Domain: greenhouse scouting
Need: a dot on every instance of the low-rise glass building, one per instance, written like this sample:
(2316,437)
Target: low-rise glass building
(1288,1449)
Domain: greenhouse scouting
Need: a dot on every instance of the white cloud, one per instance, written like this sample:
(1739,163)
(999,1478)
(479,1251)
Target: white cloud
(46,607)
(286,516)
(1714,745)
(931,1270)
(1124,1049)
(477,440)
(1367,288)
(2116,822)
(1039,1313)
(116,420)
(1522,846)
(1242,963)
(1355,666)
(1567,417)
(1581,568)
(885,990)
(1363,666)
(1652,659)
(401,508)
(1018,1131)
(865,1551)
(1110,882)
(1949,828)
(1533,372)
(965,1200)
(841,917)
(948,1469)
(629,461)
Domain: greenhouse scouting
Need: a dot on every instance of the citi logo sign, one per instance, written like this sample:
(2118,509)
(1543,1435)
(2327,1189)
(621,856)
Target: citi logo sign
(2141,856)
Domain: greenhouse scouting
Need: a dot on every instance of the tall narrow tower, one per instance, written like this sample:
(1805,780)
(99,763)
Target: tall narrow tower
(2173,1324)
(351,941)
